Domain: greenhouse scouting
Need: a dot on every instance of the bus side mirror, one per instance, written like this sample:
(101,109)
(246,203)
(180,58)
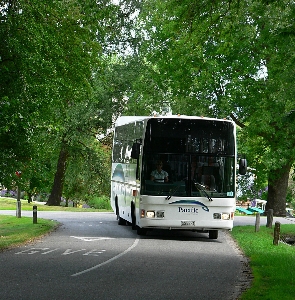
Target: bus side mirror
(243,166)
(135,150)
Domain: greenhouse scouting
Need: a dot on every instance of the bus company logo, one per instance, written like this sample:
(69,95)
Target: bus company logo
(191,210)
(191,202)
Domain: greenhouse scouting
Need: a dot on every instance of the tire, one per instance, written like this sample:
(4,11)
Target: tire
(141,231)
(121,221)
(213,234)
(117,207)
(133,217)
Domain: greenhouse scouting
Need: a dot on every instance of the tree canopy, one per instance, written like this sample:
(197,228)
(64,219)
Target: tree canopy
(56,70)
(227,59)
(68,68)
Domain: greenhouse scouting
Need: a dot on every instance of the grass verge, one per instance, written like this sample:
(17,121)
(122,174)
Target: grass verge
(273,267)
(7,203)
(16,231)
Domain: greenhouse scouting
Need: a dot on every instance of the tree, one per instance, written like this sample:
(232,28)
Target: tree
(55,63)
(88,175)
(87,116)
(233,59)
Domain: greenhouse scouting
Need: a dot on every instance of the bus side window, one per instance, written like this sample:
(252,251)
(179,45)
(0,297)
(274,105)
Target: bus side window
(135,150)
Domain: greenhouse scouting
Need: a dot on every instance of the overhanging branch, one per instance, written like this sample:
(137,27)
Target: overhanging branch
(237,121)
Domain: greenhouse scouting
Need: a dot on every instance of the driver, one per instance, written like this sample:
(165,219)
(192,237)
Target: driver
(159,175)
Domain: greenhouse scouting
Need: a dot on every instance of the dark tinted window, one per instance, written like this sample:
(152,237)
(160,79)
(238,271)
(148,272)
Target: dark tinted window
(192,152)
(189,136)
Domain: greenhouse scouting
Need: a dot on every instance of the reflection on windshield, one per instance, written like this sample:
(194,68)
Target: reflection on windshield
(191,151)
(186,172)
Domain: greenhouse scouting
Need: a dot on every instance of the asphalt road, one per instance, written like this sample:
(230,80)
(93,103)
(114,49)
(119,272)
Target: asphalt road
(91,257)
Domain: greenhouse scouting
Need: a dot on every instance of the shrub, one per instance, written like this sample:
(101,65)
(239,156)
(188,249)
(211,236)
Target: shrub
(102,202)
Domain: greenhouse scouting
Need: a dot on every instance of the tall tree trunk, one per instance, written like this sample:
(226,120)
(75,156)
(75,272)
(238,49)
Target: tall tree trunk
(277,190)
(59,178)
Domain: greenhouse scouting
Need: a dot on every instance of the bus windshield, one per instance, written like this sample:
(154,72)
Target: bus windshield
(197,158)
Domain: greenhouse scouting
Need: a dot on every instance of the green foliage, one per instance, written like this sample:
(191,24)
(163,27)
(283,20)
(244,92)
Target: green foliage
(249,189)
(59,86)
(38,73)
(88,173)
(68,68)
(227,59)
(100,203)
(291,190)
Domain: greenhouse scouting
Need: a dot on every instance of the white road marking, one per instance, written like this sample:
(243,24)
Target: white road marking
(109,260)
(93,252)
(70,251)
(49,251)
(91,239)
(32,251)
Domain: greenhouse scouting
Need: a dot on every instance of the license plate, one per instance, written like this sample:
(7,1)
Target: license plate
(187,223)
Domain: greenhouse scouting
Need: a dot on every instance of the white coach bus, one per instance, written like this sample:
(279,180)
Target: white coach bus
(198,157)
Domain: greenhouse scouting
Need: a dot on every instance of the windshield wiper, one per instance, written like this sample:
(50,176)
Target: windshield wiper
(201,188)
(173,192)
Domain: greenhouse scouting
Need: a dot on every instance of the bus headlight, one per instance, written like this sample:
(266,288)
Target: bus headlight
(221,216)
(225,216)
(150,214)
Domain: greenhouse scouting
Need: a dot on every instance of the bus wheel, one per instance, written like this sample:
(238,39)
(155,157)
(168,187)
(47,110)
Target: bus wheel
(141,231)
(121,221)
(133,217)
(117,207)
(213,234)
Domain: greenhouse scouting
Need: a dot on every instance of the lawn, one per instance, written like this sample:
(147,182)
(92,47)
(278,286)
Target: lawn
(16,231)
(7,203)
(273,267)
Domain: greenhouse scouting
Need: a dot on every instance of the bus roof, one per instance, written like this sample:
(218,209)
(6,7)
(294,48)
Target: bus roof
(129,119)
